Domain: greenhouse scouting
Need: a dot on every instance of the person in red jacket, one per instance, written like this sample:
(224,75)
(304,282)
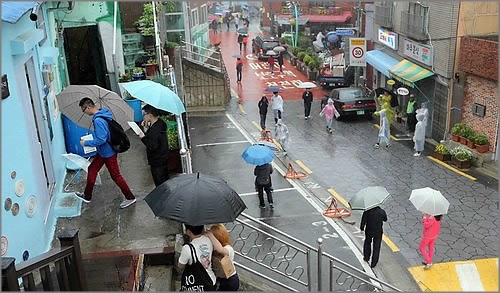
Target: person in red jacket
(270,60)
(432,225)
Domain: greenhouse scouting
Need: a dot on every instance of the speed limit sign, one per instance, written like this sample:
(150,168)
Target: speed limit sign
(357,48)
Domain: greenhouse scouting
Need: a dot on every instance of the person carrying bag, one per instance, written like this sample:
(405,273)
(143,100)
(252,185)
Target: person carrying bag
(195,277)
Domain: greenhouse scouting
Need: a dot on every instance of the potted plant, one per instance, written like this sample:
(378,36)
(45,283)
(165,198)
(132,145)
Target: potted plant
(125,77)
(469,136)
(138,73)
(146,23)
(300,60)
(151,67)
(441,153)
(170,50)
(461,157)
(456,130)
(481,143)
(465,132)
(174,156)
(312,69)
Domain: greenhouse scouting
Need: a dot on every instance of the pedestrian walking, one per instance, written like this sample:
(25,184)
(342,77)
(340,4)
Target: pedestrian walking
(240,41)
(270,60)
(307,96)
(227,20)
(372,221)
(432,226)
(263,183)
(215,26)
(411,119)
(105,154)
(280,61)
(156,141)
(245,40)
(384,133)
(324,101)
(263,106)
(282,135)
(232,283)
(221,21)
(419,135)
(239,69)
(236,22)
(423,110)
(328,112)
(277,106)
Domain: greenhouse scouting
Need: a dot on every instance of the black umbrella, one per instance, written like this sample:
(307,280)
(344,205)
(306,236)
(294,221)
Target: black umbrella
(196,199)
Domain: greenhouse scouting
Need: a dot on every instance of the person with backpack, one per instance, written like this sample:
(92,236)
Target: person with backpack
(263,182)
(106,155)
(156,141)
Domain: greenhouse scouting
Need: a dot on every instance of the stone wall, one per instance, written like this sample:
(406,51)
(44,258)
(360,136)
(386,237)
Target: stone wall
(485,92)
(479,57)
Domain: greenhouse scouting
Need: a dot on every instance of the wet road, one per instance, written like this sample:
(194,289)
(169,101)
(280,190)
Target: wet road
(346,162)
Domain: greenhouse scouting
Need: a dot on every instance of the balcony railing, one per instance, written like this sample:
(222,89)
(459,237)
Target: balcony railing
(413,25)
(383,15)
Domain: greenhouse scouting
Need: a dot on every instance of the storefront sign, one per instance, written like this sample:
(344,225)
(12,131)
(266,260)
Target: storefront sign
(419,52)
(403,91)
(357,48)
(388,38)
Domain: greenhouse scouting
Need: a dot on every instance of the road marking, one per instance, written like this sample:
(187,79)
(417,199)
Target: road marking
(304,167)
(386,239)
(256,125)
(241,109)
(275,190)
(451,168)
(392,136)
(221,143)
(235,94)
(470,275)
(315,205)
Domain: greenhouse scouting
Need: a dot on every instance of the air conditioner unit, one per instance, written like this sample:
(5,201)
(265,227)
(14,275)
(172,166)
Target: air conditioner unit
(478,109)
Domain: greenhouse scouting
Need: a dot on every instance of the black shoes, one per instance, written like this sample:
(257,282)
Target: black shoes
(81,196)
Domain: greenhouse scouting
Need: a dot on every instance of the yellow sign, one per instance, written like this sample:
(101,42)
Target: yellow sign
(358,42)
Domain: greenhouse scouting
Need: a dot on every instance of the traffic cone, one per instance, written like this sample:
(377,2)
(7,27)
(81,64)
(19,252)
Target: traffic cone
(266,135)
(333,211)
(292,174)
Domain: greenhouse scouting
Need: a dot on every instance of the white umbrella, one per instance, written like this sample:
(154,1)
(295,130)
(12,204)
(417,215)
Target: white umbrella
(306,85)
(271,53)
(279,49)
(368,197)
(429,201)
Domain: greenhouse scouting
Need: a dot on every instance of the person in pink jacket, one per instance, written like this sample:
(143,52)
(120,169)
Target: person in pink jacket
(432,225)
(328,111)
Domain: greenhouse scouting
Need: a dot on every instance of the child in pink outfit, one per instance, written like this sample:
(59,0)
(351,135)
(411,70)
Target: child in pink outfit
(328,112)
(432,225)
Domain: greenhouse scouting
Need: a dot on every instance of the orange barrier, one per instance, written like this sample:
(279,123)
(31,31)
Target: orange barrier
(292,174)
(333,211)
(266,135)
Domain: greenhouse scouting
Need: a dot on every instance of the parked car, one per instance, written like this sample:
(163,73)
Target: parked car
(334,73)
(261,44)
(352,101)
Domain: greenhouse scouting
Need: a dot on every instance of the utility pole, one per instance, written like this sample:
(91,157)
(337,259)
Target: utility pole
(358,34)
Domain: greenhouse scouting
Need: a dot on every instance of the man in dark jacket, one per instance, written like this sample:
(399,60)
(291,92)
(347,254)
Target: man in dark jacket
(263,105)
(280,61)
(156,142)
(263,182)
(240,41)
(307,96)
(371,222)
(105,154)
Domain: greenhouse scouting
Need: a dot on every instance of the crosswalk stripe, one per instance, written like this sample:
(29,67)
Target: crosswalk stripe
(488,274)
(469,277)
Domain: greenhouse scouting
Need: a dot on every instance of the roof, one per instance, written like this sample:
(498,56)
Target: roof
(13,11)
(346,16)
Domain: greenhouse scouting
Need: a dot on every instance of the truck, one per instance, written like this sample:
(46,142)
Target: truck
(334,73)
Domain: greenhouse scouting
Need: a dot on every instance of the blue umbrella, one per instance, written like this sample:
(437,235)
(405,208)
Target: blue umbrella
(258,155)
(273,89)
(156,95)
(332,37)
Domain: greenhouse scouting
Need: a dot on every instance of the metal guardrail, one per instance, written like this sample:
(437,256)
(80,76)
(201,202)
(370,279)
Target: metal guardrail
(293,264)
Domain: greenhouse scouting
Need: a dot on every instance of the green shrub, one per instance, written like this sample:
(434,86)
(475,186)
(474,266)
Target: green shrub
(457,128)
(286,40)
(468,132)
(301,55)
(313,65)
(295,51)
(461,153)
(307,59)
(481,139)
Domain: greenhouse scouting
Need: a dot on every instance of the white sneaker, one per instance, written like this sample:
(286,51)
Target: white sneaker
(427,266)
(127,202)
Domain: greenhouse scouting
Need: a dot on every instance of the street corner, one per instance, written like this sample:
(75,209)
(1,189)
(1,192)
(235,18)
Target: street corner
(473,275)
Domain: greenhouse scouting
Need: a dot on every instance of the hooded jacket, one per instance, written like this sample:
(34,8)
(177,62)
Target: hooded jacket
(101,134)
(431,227)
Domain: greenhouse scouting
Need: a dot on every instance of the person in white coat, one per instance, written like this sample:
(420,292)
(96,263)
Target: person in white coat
(419,135)
(423,110)
(281,134)
(384,134)
(277,106)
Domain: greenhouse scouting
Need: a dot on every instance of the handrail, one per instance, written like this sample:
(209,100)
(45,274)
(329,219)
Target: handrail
(43,260)
(287,253)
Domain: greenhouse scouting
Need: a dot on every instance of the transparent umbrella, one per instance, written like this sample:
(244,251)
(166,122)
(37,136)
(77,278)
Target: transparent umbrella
(429,201)
(368,198)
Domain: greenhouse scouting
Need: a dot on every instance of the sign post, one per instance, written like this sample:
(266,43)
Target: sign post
(357,49)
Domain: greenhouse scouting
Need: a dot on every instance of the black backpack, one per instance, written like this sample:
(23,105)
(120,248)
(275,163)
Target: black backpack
(118,139)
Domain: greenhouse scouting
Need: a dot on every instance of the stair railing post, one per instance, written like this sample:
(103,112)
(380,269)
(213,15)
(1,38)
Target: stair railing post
(320,258)
(332,282)
(308,260)
(69,238)
(9,274)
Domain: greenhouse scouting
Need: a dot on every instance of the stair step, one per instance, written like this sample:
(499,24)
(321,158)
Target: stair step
(158,278)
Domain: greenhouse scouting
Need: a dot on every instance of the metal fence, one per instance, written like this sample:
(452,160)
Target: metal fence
(293,264)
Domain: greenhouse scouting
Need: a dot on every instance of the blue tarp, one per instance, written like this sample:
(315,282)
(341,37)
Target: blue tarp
(13,11)
(381,61)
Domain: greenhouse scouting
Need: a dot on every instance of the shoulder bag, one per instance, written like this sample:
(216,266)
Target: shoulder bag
(195,277)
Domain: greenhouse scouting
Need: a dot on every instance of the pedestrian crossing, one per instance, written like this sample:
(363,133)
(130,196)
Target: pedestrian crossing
(474,275)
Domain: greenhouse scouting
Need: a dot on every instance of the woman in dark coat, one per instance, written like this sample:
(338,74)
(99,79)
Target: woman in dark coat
(156,141)
(263,105)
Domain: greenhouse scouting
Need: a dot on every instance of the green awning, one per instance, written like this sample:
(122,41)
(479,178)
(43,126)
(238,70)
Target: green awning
(408,72)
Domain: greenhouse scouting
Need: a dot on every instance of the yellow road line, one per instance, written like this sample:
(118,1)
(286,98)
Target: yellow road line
(277,143)
(392,136)
(307,170)
(451,168)
(444,276)
(257,125)
(338,197)
(389,243)
(241,109)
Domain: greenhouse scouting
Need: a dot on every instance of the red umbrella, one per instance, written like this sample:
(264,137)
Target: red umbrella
(213,17)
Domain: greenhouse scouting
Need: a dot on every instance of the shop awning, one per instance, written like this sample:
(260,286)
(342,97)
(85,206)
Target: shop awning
(380,61)
(408,72)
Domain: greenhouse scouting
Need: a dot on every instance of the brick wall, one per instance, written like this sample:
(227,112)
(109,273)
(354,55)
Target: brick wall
(485,92)
(479,57)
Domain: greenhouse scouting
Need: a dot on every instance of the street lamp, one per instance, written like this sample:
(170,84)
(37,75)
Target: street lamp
(295,21)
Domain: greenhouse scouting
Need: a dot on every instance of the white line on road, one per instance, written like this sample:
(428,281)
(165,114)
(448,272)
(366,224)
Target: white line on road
(469,277)
(275,190)
(308,198)
(221,143)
